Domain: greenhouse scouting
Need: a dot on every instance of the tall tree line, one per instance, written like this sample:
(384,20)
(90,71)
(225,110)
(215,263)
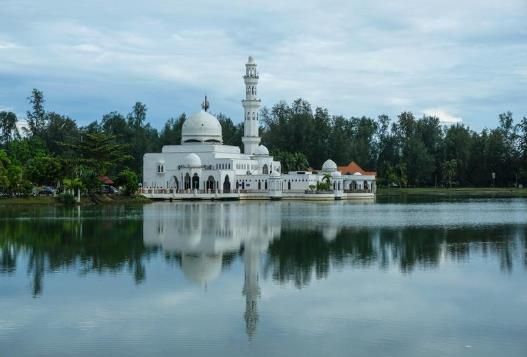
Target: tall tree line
(405,151)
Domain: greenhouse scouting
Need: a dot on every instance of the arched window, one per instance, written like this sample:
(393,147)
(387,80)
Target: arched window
(227,185)
(265,170)
(288,185)
(195,182)
(211,183)
(187,181)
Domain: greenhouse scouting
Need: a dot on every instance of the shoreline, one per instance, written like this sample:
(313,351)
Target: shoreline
(467,192)
(85,201)
(482,192)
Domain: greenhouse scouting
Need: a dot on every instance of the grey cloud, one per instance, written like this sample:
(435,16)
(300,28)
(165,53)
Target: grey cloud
(355,58)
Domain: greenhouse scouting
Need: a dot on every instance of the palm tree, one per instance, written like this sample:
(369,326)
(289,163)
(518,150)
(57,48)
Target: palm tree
(73,185)
(325,185)
(450,169)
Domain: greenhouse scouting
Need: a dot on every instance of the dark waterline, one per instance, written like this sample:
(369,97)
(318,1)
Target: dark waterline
(266,278)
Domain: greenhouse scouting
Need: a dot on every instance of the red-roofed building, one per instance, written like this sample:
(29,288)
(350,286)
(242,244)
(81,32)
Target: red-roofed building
(356,179)
(353,168)
(105,180)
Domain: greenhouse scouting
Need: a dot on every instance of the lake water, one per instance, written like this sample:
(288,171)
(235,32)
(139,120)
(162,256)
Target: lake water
(265,279)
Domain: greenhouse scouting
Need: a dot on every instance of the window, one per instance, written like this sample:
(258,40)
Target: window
(160,168)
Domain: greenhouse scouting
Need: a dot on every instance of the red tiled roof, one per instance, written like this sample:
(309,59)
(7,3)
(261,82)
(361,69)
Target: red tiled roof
(105,180)
(353,168)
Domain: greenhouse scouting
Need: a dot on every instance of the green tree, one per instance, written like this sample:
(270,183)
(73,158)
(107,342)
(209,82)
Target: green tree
(99,153)
(36,117)
(450,170)
(4,164)
(59,129)
(171,132)
(44,170)
(8,129)
(457,146)
(129,180)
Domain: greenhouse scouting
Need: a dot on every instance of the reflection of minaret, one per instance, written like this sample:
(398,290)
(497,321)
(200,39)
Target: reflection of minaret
(251,289)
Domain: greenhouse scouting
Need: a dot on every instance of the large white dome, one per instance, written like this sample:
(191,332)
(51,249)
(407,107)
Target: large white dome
(201,127)
(329,166)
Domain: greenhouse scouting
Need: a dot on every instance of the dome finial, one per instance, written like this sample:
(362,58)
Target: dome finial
(205,105)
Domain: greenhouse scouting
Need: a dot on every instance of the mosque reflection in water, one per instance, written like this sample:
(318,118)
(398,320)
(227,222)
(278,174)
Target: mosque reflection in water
(203,234)
(290,243)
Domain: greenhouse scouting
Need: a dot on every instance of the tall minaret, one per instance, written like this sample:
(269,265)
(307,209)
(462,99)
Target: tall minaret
(251,106)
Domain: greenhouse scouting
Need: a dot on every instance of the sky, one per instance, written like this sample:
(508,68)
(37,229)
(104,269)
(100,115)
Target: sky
(464,60)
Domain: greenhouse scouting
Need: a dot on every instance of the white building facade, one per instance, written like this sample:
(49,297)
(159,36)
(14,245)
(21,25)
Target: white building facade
(203,168)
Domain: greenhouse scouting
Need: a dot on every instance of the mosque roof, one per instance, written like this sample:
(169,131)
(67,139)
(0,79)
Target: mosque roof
(353,168)
(329,166)
(192,160)
(201,127)
(262,151)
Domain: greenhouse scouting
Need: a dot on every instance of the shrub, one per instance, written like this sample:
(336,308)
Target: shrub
(66,198)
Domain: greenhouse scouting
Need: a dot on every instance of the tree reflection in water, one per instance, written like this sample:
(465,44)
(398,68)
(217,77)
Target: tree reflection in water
(120,239)
(300,255)
(56,239)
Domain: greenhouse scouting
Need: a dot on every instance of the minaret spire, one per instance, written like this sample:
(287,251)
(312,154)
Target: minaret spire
(205,105)
(251,107)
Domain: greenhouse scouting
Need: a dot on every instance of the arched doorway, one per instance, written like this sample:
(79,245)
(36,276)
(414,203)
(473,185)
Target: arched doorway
(210,183)
(243,185)
(187,181)
(288,185)
(265,169)
(195,182)
(259,185)
(266,184)
(226,185)
(176,184)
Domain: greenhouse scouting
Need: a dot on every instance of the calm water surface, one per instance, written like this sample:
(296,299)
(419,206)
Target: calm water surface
(265,279)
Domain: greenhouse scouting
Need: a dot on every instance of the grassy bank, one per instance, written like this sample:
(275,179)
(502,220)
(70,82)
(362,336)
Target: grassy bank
(498,192)
(96,199)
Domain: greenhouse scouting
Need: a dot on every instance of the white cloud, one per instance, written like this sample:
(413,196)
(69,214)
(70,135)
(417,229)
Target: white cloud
(443,116)
(353,58)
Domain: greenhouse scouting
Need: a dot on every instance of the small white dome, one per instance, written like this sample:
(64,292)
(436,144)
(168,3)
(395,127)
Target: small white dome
(329,166)
(192,160)
(261,151)
(336,174)
(160,161)
(274,174)
(201,127)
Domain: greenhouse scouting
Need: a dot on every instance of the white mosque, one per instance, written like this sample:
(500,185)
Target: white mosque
(203,168)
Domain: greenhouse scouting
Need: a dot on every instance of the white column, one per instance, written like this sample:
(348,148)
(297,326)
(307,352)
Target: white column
(251,108)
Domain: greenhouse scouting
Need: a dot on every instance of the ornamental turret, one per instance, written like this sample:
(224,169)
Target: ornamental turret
(251,107)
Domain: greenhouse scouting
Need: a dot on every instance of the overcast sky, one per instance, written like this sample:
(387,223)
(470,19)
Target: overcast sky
(462,60)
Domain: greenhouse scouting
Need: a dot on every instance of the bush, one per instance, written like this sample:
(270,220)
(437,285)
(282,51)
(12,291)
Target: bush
(66,198)
(129,180)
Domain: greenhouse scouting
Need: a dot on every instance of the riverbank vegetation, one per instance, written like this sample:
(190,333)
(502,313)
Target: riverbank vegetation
(54,150)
